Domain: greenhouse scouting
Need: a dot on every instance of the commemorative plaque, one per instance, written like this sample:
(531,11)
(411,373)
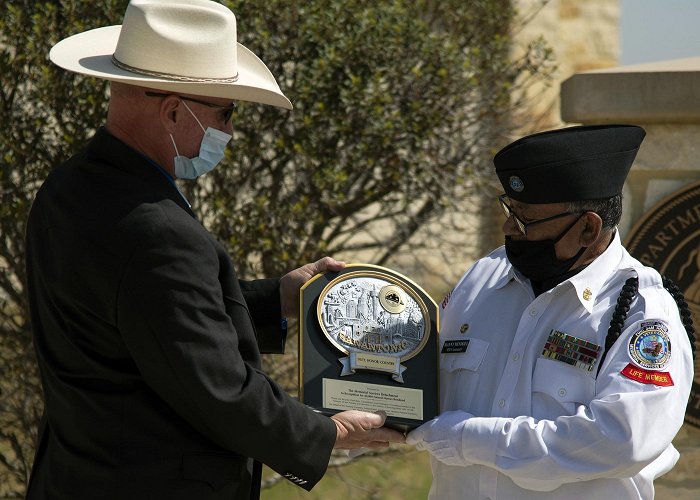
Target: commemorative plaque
(368,341)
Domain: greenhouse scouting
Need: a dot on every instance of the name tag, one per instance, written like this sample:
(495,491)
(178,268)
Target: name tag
(453,346)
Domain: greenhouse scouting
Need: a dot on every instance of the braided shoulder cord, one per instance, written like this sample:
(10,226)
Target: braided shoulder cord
(686,316)
(629,291)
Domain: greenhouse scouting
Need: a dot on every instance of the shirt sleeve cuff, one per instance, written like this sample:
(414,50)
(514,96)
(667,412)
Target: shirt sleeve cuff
(480,439)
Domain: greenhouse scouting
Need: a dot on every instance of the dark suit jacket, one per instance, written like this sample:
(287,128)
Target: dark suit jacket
(149,359)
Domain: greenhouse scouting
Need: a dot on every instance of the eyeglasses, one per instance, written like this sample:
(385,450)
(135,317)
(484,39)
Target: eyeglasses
(227,110)
(522,226)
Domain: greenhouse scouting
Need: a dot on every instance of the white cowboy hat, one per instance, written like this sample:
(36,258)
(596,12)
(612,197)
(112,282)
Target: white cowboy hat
(182,46)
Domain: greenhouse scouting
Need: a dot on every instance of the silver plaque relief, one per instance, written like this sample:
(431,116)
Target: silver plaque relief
(374,320)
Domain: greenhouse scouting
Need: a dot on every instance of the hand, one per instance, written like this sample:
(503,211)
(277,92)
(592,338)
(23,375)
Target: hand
(442,437)
(291,282)
(359,429)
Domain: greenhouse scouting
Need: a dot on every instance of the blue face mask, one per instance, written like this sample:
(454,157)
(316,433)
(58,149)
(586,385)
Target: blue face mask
(211,152)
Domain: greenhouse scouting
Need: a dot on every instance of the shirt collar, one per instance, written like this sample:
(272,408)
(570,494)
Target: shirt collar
(168,177)
(116,153)
(589,282)
(510,275)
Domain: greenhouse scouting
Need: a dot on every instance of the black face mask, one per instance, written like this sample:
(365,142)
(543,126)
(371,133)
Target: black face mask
(537,260)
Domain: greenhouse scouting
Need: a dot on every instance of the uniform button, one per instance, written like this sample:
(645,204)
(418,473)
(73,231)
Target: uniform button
(501,403)
(533,312)
(516,356)
(562,392)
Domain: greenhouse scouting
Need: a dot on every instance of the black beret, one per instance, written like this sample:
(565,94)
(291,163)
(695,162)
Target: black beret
(570,164)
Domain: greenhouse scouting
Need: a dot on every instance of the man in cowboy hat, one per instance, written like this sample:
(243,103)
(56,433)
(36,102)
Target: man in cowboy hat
(566,385)
(148,344)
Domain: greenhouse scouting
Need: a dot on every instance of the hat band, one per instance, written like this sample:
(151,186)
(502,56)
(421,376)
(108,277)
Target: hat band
(181,78)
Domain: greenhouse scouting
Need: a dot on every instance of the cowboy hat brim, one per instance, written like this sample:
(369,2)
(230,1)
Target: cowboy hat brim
(90,53)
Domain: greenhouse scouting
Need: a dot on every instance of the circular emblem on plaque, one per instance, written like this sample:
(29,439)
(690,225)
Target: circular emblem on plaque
(392,299)
(667,238)
(373,313)
(516,183)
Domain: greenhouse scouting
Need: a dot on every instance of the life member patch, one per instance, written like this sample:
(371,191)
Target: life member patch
(662,379)
(452,346)
(650,347)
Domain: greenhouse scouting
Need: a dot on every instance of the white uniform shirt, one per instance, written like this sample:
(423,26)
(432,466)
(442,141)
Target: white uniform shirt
(543,429)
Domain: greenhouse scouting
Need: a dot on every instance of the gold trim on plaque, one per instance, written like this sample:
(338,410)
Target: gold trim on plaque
(390,290)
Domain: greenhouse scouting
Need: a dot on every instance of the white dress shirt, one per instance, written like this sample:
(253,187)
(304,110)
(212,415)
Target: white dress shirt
(519,425)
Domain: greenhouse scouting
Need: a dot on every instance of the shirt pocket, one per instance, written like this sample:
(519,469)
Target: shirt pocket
(559,389)
(459,375)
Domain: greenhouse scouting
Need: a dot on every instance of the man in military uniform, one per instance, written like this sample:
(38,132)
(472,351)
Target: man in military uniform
(565,367)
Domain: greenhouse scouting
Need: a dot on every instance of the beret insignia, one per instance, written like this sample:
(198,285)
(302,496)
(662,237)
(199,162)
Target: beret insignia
(516,183)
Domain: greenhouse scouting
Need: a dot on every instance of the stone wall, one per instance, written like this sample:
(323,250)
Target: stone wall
(583,35)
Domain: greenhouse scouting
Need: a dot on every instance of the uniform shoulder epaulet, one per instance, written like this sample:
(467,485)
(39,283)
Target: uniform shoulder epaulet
(647,277)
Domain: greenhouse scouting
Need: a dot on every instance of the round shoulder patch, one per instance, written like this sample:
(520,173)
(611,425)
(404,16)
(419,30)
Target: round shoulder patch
(650,346)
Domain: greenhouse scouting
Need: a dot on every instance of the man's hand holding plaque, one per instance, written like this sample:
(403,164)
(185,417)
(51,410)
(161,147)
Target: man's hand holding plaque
(361,430)
(368,342)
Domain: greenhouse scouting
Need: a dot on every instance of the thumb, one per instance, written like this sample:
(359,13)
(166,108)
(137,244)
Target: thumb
(415,436)
(376,419)
(326,264)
